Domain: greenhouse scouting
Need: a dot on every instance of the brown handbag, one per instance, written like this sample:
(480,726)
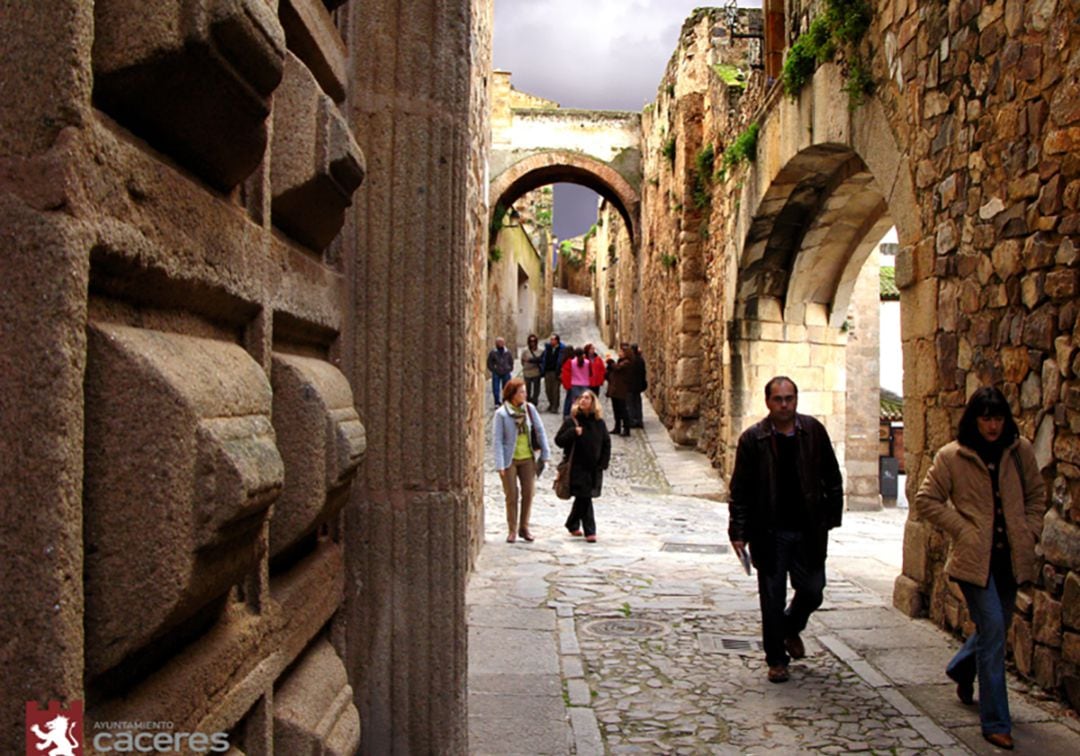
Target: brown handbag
(562,474)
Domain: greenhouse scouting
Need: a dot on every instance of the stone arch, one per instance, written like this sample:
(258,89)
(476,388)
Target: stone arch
(829,184)
(557,166)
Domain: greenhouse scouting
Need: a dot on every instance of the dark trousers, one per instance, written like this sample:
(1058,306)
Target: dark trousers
(581,515)
(622,420)
(532,389)
(633,410)
(777,622)
(552,384)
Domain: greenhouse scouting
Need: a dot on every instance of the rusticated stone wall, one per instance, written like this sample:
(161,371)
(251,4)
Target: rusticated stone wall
(196,361)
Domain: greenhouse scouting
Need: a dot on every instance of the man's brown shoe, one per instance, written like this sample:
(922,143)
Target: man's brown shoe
(999,740)
(795,647)
(779,674)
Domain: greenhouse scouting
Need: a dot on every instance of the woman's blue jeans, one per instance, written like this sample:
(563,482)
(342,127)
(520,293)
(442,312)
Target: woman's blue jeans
(983,654)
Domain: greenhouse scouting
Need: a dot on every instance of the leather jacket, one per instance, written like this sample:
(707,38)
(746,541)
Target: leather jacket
(753,506)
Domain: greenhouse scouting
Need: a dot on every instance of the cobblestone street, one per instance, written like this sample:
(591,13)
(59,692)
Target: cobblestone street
(648,641)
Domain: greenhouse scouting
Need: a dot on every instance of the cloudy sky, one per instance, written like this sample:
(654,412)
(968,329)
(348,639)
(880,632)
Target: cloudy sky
(596,54)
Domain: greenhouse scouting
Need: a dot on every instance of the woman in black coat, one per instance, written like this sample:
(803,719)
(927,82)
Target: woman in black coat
(586,434)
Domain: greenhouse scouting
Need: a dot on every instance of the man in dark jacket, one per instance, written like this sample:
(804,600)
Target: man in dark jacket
(638,383)
(786,494)
(551,364)
(500,363)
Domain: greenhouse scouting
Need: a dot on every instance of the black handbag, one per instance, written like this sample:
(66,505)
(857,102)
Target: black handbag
(562,474)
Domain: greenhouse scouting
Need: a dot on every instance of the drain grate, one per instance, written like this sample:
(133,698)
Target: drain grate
(696,548)
(711,643)
(625,628)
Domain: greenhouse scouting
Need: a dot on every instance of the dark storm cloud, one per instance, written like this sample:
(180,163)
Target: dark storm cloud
(594,54)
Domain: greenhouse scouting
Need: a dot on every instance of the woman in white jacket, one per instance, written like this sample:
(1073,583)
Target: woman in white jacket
(516,435)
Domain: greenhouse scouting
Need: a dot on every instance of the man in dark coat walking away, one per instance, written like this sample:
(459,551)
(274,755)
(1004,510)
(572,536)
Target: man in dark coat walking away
(637,384)
(786,494)
(551,365)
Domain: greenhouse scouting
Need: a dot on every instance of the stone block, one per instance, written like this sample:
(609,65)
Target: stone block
(1046,619)
(192,77)
(1070,648)
(919,313)
(689,345)
(688,372)
(321,440)
(1007,258)
(1062,284)
(907,597)
(688,316)
(316,163)
(687,403)
(312,35)
(1070,601)
(1022,645)
(181,467)
(686,432)
(1045,666)
(1060,542)
(1014,363)
(313,706)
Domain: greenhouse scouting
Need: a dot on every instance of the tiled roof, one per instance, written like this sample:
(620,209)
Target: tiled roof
(892,406)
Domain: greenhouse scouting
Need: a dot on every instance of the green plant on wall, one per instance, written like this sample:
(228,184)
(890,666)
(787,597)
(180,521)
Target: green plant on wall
(742,150)
(574,257)
(543,217)
(703,177)
(668,150)
(731,75)
(494,255)
(841,25)
(497,220)
(668,261)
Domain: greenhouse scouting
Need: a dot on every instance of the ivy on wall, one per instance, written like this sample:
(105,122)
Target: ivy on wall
(842,26)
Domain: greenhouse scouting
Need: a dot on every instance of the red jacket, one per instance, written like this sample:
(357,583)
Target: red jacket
(597,371)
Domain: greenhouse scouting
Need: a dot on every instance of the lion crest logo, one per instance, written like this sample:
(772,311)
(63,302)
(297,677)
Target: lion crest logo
(54,731)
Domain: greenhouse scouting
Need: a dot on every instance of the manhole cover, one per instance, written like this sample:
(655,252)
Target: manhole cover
(696,548)
(626,628)
(720,644)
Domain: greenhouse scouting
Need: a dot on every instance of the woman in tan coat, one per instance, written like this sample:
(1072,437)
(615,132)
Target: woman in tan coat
(984,489)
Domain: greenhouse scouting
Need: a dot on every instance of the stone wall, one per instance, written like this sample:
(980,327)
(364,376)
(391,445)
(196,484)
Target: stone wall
(205,377)
(968,147)
(517,286)
(862,409)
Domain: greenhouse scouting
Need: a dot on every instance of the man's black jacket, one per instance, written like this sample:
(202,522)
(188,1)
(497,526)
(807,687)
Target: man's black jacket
(753,508)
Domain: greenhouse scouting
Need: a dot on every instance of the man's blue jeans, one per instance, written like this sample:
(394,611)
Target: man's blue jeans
(497,383)
(778,623)
(983,653)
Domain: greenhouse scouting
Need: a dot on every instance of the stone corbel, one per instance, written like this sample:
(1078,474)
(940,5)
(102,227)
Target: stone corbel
(192,77)
(322,442)
(316,164)
(181,468)
(313,706)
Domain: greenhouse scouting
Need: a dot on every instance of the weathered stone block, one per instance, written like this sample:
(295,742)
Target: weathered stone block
(1061,539)
(1023,646)
(1070,648)
(688,316)
(1070,601)
(192,77)
(313,706)
(907,597)
(1046,620)
(321,441)
(316,164)
(1062,284)
(687,403)
(311,34)
(1045,666)
(181,467)
(915,558)
(688,372)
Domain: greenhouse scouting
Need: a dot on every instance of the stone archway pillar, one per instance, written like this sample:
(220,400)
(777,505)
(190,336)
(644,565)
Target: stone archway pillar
(418,107)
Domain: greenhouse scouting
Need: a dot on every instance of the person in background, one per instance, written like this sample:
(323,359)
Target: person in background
(532,358)
(517,434)
(596,369)
(986,492)
(552,366)
(576,377)
(586,434)
(786,494)
(619,375)
(500,363)
(638,384)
